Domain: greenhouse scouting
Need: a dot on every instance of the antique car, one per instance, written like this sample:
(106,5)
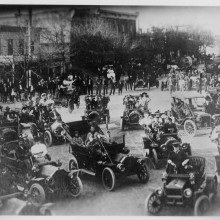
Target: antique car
(187,108)
(141,83)
(17,204)
(132,114)
(107,158)
(192,189)
(97,109)
(159,147)
(67,97)
(31,170)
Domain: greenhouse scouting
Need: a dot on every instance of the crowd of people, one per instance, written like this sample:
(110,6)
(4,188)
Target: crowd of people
(199,80)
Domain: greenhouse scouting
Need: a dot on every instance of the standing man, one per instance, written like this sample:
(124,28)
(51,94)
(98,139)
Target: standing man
(1,90)
(89,85)
(120,87)
(98,86)
(105,86)
(112,86)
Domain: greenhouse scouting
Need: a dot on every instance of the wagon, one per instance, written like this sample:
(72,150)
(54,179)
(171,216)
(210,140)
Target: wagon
(107,159)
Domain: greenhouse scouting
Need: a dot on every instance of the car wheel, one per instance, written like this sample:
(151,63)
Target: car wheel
(143,174)
(190,128)
(73,164)
(154,158)
(202,205)
(70,105)
(75,187)
(37,194)
(153,204)
(122,124)
(47,138)
(108,179)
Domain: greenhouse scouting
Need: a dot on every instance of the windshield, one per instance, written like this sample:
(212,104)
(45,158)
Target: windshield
(196,102)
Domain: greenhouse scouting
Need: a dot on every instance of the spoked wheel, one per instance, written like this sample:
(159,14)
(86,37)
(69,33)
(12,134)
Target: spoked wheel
(73,164)
(37,194)
(190,128)
(154,158)
(47,138)
(153,204)
(143,174)
(108,179)
(202,205)
(70,105)
(75,187)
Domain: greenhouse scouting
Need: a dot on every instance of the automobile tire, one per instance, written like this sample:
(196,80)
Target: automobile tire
(155,158)
(143,174)
(37,194)
(190,128)
(122,124)
(202,205)
(75,187)
(70,105)
(153,204)
(73,164)
(108,179)
(94,116)
(48,138)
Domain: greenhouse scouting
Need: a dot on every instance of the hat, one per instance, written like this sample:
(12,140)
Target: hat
(7,108)
(207,98)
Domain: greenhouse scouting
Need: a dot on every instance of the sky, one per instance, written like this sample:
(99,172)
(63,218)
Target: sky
(204,17)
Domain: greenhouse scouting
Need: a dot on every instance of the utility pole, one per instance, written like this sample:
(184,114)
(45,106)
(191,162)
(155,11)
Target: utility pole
(29,46)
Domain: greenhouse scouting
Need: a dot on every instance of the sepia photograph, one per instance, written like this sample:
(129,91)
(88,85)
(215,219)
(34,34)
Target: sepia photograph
(109,110)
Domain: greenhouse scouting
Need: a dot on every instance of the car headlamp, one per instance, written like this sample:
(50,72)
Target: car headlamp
(187,193)
(62,132)
(50,180)
(184,146)
(159,191)
(121,167)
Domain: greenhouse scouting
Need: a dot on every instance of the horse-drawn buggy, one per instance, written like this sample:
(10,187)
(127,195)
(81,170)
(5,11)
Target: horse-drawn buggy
(31,169)
(187,109)
(192,188)
(106,158)
(97,109)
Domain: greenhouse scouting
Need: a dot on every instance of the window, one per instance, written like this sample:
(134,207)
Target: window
(32,46)
(21,47)
(10,47)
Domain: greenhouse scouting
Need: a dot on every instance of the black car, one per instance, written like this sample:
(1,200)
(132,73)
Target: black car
(41,178)
(192,189)
(97,109)
(108,159)
(159,146)
(132,114)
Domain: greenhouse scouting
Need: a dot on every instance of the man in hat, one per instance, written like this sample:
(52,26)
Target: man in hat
(209,106)
(177,159)
(169,127)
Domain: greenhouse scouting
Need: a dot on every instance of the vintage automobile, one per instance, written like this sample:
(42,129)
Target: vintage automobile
(32,171)
(97,109)
(187,108)
(140,83)
(17,204)
(67,97)
(159,147)
(107,158)
(132,113)
(192,189)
